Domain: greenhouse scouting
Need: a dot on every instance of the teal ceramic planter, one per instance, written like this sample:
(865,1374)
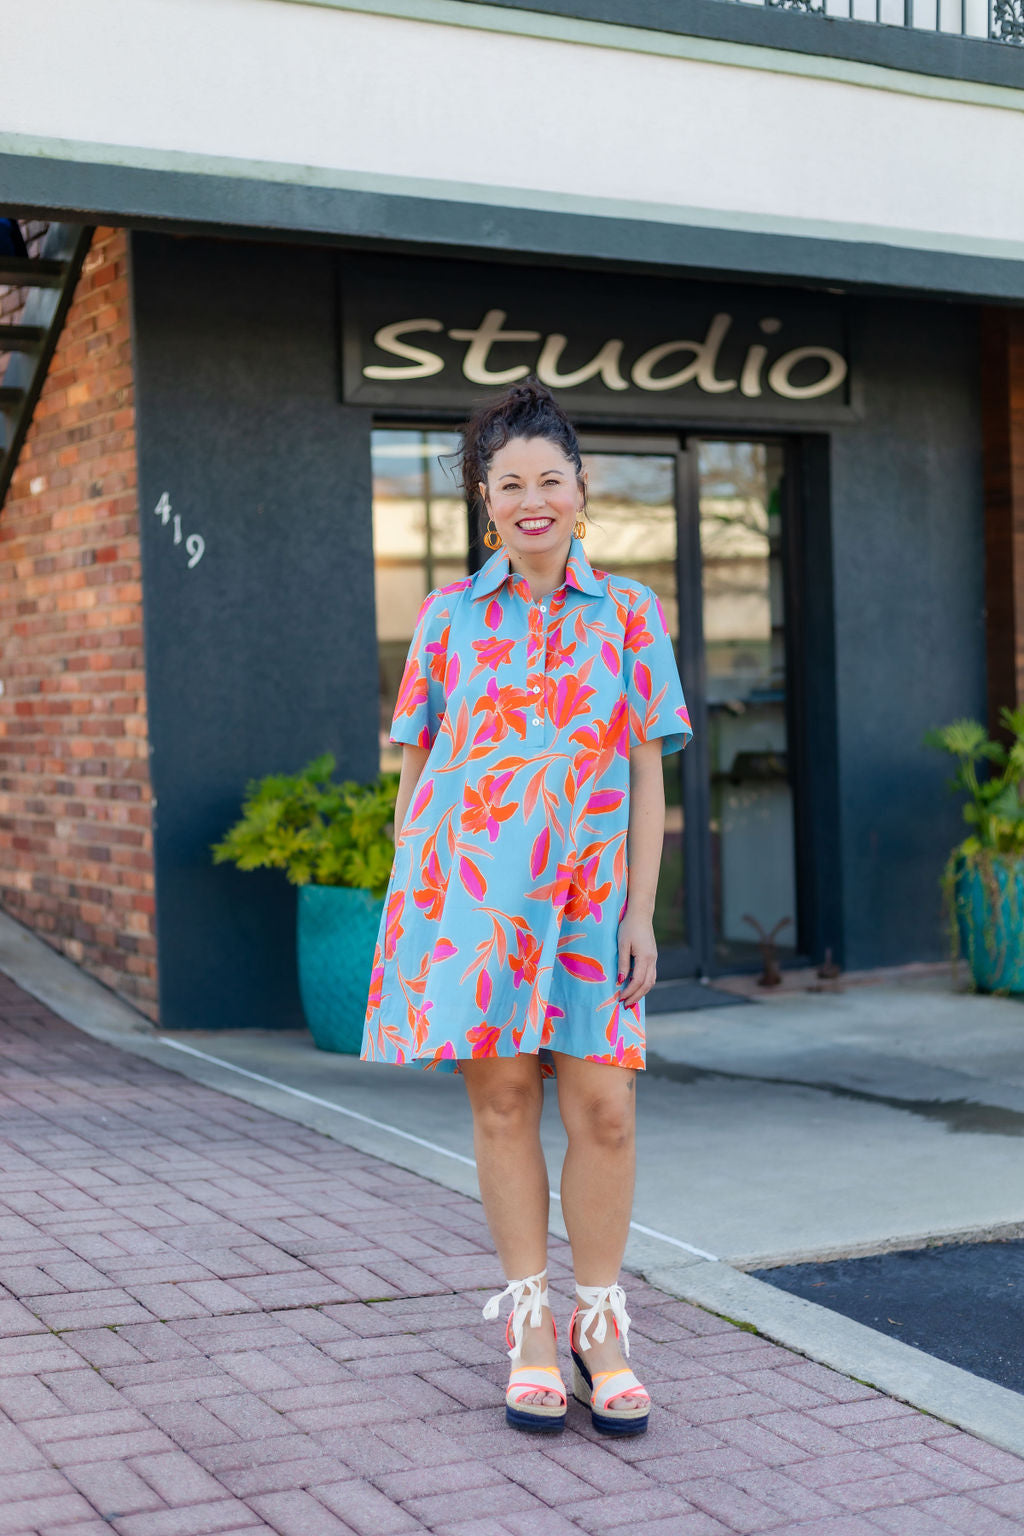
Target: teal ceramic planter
(990,917)
(337,930)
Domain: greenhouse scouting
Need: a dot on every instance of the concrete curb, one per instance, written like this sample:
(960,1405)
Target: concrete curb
(991,1412)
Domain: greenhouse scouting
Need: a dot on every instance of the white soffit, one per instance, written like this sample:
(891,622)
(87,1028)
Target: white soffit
(335,96)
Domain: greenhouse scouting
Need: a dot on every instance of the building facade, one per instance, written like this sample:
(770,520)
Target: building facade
(775,278)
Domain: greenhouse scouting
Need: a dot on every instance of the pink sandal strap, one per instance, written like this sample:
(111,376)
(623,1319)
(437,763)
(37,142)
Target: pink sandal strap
(604,1388)
(520,1383)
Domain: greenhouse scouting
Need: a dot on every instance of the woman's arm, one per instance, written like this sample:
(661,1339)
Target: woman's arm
(646,837)
(413,761)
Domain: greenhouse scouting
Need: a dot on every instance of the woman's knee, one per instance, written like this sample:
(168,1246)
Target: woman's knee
(503,1105)
(605,1120)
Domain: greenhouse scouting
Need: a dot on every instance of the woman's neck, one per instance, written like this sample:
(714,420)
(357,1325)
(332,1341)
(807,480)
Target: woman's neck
(544,574)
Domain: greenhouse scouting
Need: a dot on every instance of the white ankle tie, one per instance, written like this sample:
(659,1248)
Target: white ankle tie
(600,1299)
(528,1297)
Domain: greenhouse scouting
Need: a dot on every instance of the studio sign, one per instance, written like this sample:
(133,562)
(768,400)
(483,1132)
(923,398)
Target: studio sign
(668,365)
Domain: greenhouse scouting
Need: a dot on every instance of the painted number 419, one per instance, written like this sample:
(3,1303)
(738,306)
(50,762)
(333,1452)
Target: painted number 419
(195,544)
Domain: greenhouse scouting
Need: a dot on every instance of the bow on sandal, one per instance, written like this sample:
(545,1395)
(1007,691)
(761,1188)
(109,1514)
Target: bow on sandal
(598,1388)
(528,1297)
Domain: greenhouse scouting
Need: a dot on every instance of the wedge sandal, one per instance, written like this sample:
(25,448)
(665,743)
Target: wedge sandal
(529,1296)
(598,1388)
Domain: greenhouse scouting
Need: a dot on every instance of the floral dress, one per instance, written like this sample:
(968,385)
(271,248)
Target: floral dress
(499,933)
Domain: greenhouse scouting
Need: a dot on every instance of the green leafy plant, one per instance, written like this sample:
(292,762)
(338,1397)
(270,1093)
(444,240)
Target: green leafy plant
(320,832)
(990,774)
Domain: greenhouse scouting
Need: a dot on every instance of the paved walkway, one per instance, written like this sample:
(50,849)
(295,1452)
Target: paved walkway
(216,1320)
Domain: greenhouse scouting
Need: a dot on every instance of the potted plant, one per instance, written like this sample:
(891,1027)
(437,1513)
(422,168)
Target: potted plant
(335,842)
(984,876)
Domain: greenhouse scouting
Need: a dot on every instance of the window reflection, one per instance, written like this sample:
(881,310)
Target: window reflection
(420,538)
(744,634)
(632,532)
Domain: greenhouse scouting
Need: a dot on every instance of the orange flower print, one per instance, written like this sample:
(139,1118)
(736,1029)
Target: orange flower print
(412,691)
(431,894)
(482,810)
(637,634)
(567,699)
(484,1039)
(586,897)
(523,964)
(559,654)
(393,929)
(491,653)
(504,710)
(437,650)
(376,983)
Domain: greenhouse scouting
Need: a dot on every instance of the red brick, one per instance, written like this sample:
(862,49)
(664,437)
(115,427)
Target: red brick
(81,444)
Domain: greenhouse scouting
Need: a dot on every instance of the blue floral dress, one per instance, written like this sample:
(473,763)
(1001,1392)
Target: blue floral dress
(500,926)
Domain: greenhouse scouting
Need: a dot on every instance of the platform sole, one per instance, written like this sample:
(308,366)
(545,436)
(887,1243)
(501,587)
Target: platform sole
(604,1423)
(534,1423)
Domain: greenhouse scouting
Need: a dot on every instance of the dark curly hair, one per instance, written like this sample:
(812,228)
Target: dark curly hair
(528,409)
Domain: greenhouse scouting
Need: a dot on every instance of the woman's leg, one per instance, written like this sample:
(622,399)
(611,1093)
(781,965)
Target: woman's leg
(597,1103)
(506,1095)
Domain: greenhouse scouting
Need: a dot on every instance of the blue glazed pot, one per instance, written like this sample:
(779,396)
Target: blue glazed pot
(337,930)
(990,916)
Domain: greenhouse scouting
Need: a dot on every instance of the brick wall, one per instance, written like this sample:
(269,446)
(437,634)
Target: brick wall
(76,860)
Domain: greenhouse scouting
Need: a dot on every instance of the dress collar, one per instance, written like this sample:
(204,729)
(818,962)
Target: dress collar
(578,572)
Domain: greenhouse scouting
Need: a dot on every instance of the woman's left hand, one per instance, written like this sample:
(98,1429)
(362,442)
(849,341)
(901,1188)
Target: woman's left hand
(636,945)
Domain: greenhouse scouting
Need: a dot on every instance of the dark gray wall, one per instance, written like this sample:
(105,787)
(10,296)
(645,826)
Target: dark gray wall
(909,613)
(264,654)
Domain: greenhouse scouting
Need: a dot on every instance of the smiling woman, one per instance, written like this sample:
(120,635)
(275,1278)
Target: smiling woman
(537,701)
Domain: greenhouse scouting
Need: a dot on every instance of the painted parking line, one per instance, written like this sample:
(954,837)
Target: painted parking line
(394,1130)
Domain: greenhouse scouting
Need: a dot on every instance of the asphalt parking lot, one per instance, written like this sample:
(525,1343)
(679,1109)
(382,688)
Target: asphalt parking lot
(959,1302)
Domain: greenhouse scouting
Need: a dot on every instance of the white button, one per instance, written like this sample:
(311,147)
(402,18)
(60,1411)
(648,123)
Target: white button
(543,607)
(536,687)
(536,722)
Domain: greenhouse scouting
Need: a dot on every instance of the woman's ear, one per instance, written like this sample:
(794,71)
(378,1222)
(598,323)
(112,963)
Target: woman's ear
(483,493)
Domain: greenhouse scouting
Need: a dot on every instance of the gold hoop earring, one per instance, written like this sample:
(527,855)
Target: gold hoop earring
(492,538)
(580,528)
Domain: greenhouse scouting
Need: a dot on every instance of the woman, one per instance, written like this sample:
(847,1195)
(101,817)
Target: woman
(517,936)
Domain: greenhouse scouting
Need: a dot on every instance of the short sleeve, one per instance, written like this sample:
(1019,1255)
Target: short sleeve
(654,692)
(421,696)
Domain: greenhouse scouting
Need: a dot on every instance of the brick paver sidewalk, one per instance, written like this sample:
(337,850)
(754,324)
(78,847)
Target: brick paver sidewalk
(215,1320)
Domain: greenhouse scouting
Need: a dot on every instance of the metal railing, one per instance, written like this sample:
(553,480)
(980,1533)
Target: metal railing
(999,21)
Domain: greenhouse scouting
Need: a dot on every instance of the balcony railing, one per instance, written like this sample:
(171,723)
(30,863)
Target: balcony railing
(998,21)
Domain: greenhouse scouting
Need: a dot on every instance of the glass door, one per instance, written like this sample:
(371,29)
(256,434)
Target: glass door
(750,844)
(633,531)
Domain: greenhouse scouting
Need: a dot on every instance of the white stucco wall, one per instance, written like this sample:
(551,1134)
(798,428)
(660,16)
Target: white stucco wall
(315,93)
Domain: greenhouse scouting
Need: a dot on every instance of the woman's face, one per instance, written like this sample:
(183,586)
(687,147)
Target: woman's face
(533,496)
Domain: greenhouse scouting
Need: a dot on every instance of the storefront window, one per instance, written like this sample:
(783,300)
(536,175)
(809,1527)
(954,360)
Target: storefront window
(752,863)
(421,541)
